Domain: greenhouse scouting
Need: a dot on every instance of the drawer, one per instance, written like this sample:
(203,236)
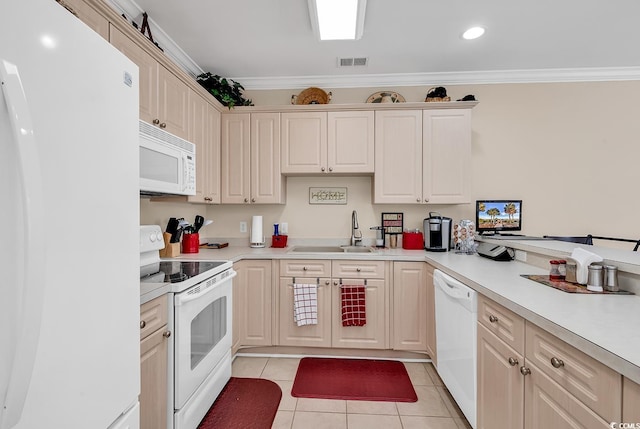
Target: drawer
(305,268)
(357,269)
(504,323)
(594,384)
(153,315)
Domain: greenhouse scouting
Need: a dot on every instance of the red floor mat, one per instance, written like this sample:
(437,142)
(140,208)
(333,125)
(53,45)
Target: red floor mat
(353,379)
(244,403)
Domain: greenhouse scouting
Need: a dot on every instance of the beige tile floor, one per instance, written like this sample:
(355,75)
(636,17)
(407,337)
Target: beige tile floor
(435,408)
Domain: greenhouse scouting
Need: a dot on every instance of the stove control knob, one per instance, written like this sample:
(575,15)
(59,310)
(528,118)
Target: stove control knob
(159,236)
(152,237)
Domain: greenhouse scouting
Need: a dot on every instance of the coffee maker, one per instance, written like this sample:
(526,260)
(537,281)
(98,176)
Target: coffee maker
(437,233)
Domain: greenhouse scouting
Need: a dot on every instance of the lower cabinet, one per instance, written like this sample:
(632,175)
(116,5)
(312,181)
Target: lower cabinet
(153,363)
(538,381)
(328,276)
(630,401)
(431,316)
(410,313)
(252,304)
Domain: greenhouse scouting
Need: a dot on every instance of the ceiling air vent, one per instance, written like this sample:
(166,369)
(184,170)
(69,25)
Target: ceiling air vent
(352,62)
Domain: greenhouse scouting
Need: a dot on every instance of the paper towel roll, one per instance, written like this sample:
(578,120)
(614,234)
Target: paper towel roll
(257,236)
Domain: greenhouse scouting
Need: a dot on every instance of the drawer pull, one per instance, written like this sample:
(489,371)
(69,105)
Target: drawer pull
(524,370)
(557,363)
(142,324)
(492,318)
(304,268)
(513,361)
(166,334)
(358,269)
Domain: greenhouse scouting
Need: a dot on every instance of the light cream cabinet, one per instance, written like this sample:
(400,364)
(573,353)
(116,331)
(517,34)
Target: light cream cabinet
(304,142)
(252,318)
(410,306)
(88,15)
(431,315)
(204,132)
(422,156)
(250,165)
(329,276)
(530,378)
(164,98)
(153,363)
(446,156)
(630,401)
(398,157)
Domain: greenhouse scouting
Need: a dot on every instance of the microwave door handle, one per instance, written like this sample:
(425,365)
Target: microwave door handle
(31,287)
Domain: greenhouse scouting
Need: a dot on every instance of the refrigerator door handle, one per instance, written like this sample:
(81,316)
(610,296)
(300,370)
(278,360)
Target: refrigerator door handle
(31,286)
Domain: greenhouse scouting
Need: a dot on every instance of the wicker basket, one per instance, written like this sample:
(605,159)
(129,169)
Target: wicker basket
(311,95)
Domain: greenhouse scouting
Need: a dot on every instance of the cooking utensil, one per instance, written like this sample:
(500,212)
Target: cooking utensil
(172,228)
(198,223)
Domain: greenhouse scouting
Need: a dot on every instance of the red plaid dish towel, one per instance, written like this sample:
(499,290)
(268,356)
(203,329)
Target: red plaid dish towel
(305,304)
(354,309)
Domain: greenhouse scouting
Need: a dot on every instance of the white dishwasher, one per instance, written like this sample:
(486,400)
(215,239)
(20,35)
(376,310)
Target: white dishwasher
(456,312)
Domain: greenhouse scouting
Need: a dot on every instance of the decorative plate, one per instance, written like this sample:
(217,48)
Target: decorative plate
(311,95)
(386,97)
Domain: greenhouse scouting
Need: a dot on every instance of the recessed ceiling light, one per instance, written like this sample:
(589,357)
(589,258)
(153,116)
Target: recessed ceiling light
(473,33)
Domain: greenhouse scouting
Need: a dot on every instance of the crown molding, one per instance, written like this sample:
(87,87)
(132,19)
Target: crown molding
(452,78)
(596,74)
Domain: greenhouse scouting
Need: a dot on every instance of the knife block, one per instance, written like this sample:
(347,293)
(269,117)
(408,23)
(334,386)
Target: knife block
(171,250)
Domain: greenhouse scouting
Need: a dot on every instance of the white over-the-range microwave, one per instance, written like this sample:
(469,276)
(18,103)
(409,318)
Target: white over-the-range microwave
(167,163)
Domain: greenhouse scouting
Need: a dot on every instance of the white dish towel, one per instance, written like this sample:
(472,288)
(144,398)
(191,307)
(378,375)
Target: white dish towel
(305,304)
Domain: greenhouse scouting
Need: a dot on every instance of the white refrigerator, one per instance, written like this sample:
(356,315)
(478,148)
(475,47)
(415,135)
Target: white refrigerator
(69,215)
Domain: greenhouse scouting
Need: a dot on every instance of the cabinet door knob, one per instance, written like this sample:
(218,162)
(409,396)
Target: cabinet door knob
(557,363)
(208,199)
(322,169)
(246,200)
(513,361)
(524,370)
(417,200)
(163,125)
(166,334)
(335,282)
(327,282)
(330,168)
(492,318)
(426,200)
(142,324)
(253,200)
(156,121)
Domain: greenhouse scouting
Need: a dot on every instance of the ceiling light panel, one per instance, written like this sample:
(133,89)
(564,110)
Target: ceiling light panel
(473,33)
(337,19)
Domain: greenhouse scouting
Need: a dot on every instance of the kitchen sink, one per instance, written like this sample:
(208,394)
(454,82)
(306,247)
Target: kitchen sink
(332,249)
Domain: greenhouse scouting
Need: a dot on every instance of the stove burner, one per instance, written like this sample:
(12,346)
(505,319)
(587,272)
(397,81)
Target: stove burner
(179,271)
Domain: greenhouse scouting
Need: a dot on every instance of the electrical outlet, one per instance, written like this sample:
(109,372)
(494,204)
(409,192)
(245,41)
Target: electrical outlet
(521,256)
(243,226)
(284,228)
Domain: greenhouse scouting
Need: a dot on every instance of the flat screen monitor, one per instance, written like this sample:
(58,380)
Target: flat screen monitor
(495,216)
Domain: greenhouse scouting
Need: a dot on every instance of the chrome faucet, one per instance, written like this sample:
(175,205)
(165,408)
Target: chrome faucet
(356,234)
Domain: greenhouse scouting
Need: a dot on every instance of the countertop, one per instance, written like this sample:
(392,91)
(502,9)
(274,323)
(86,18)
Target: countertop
(607,327)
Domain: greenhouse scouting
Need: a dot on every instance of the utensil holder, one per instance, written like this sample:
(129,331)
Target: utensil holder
(171,250)
(191,243)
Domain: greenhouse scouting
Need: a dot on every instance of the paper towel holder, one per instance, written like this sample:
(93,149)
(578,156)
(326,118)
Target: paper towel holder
(257,238)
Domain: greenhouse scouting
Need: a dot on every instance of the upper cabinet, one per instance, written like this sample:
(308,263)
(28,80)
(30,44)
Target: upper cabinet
(422,156)
(304,142)
(350,147)
(398,157)
(327,142)
(164,98)
(250,165)
(204,132)
(446,156)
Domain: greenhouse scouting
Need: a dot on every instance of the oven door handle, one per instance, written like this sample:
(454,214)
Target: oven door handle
(184,298)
